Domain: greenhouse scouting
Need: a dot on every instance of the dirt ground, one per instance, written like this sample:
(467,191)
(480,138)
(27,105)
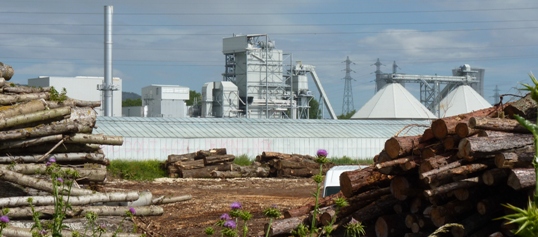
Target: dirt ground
(211,198)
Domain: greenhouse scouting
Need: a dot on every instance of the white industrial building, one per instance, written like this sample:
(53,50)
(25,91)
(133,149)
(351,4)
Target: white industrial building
(165,101)
(462,100)
(156,137)
(83,88)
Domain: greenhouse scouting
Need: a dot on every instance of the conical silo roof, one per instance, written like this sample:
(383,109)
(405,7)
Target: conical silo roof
(463,99)
(393,101)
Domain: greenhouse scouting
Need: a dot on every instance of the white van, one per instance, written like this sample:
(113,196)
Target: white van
(331,184)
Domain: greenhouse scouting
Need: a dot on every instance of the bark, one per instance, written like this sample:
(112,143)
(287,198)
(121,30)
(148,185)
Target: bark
(73,200)
(432,150)
(216,159)
(80,211)
(445,126)
(525,107)
(25,89)
(352,182)
(204,172)
(252,171)
(470,225)
(212,152)
(436,164)
(400,146)
(12,99)
(522,178)
(47,146)
(497,124)
(490,205)
(390,225)
(94,173)
(460,171)
(296,164)
(22,108)
(172,158)
(466,183)
(190,164)
(95,139)
(61,158)
(267,155)
(386,167)
(74,103)
(30,142)
(427,135)
(34,117)
(377,208)
(40,131)
(39,184)
(517,159)
(284,226)
(302,172)
(471,148)
(495,176)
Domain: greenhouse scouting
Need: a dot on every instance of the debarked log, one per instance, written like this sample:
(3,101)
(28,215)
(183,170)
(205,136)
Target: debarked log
(45,115)
(473,147)
(17,98)
(284,226)
(95,139)
(30,142)
(61,158)
(39,184)
(22,108)
(94,173)
(73,200)
(41,131)
(166,200)
(78,211)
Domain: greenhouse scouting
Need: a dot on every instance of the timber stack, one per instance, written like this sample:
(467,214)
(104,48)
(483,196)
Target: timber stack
(284,165)
(456,175)
(38,124)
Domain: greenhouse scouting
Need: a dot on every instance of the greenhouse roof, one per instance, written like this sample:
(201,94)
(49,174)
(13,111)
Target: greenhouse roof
(255,128)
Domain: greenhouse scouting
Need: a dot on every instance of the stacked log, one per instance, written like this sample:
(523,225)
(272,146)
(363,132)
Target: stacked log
(410,192)
(38,124)
(284,165)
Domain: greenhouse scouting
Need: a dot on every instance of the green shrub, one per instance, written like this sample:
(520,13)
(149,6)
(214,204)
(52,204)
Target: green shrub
(242,160)
(146,170)
(345,160)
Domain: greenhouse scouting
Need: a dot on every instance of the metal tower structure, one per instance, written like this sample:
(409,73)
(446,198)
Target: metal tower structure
(496,96)
(431,89)
(347,103)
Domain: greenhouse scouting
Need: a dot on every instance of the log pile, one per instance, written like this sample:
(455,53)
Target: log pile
(459,171)
(37,124)
(284,165)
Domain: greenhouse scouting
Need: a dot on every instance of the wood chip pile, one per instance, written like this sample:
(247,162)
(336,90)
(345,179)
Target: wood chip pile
(461,170)
(216,163)
(37,124)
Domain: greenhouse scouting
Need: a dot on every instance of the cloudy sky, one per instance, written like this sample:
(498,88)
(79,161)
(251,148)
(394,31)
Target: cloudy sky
(180,42)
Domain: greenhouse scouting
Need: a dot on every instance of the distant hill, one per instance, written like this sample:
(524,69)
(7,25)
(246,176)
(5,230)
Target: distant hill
(129,95)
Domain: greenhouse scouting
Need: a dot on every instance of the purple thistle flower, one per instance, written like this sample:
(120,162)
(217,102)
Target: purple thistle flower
(43,232)
(132,210)
(230,224)
(322,152)
(235,205)
(52,159)
(60,180)
(225,217)
(4,219)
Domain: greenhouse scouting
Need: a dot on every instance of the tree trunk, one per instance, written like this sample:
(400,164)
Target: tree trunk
(95,173)
(166,200)
(204,172)
(386,167)
(22,108)
(464,130)
(497,124)
(216,159)
(95,139)
(73,200)
(436,164)
(13,99)
(525,107)
(390,225)
(172,158)
(61,158)
(445,126)
(30,142)
(189,165)
(449,175)
(79,211)
(39,184)
(402,187)
(400,146)
(470,225)
(451,142)
(34,117)
(6,71)
(375,209)
(518,159)
(352,182)
(522,178)
(466,183)
(495,176)
(427,135)
(450,212)
(39,131)
(284,226)
(471,148)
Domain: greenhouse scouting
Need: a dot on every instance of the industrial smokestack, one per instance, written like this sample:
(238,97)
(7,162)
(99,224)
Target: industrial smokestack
(107,88)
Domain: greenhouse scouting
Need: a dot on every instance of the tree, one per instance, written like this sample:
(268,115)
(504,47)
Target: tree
(346,116)
(314,112)
(194,98)
(131,102)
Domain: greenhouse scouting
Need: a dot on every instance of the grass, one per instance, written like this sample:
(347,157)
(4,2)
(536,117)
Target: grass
(146,170)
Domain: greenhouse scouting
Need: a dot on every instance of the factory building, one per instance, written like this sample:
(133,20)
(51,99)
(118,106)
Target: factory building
(83,88)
